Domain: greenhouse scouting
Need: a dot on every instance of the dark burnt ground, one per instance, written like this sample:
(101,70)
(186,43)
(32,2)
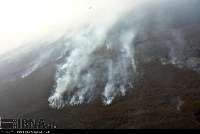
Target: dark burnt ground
(164,97)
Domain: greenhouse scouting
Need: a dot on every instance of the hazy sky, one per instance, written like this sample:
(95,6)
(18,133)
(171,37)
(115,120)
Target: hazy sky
(26,20)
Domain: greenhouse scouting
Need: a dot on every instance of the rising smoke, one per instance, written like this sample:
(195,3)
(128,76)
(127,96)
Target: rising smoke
(101,56)
(101,59)
(98,60)
(97,63)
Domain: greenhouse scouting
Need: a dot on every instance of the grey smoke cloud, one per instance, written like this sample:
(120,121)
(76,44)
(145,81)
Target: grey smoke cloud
(102,55)
(94,59)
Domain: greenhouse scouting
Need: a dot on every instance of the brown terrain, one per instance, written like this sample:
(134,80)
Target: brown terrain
(164,96)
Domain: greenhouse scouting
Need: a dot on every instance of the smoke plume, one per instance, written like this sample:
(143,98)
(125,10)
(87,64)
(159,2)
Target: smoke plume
(100,58)
(102,49)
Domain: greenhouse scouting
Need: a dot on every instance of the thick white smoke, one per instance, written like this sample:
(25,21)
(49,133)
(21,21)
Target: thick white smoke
(95,65)
(100,48)
(97,62)
(100,56)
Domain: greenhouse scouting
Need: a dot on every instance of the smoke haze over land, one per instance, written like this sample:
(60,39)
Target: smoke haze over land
(101,46)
